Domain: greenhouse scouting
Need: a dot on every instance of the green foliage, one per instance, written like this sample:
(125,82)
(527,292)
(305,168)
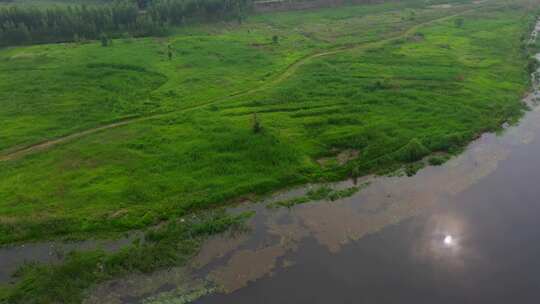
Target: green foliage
(412,151)
(24,24)
(192,146)
(104,40)
(166,246)
(458,22)
(412,169)
(318,194)
(170,52)
(437,160)
(17,33)
(533,65)
(257,128)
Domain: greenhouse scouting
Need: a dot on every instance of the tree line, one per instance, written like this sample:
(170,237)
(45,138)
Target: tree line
(25,25)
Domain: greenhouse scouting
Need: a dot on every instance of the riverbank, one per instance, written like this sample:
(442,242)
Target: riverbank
(278,231)
(413,216)
(409,84)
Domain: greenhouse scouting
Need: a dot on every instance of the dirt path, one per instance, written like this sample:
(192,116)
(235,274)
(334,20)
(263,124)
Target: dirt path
(290,70)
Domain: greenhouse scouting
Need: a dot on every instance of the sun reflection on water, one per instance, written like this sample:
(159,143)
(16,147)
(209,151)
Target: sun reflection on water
(448,240)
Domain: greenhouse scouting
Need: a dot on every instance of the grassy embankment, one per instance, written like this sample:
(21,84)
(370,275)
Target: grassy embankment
(394,102)
(151,170)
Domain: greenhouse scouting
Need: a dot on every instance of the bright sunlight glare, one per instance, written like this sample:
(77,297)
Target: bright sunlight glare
(448,240)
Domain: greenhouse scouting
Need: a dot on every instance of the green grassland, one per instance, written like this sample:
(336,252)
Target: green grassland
(74,87)
(393,82)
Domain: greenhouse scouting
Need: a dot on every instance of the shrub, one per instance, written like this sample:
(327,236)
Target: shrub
(413,151)
(412,169)
(532,65)
(257,128)
(437,160)
(459,22)
(104,40)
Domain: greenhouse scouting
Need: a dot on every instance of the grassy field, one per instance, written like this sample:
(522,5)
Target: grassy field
(386,84)
(78,86)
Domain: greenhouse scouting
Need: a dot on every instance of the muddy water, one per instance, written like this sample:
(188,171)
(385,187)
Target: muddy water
(464,232)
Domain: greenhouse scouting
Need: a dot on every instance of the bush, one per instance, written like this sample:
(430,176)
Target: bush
(532,65)
(459,22)
(437,160)
(413,151)
(104,40)
(412,169)
(257,128)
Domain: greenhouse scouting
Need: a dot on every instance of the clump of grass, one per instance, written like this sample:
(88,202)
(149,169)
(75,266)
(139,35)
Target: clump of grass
(438,160)
(167,246)
(256,124)
(413,151)
(318,194)
(459,22)
(339,194)
(290,202)
(183,295)
(532,65)
(412,169)
(4,292)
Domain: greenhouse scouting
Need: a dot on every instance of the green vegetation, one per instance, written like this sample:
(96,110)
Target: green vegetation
(412,169)
(318,194)
(184,295)
(50,3)
(170,245)
(215,112)
(438,160)
(349,78)
(46,23)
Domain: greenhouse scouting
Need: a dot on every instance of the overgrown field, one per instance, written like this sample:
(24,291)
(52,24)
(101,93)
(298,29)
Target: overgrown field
(337,92)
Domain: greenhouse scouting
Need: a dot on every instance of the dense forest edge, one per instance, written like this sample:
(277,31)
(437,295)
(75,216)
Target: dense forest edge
(30,24)
(107,19)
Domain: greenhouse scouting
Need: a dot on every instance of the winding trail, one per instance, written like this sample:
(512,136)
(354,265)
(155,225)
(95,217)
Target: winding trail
(14,154)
